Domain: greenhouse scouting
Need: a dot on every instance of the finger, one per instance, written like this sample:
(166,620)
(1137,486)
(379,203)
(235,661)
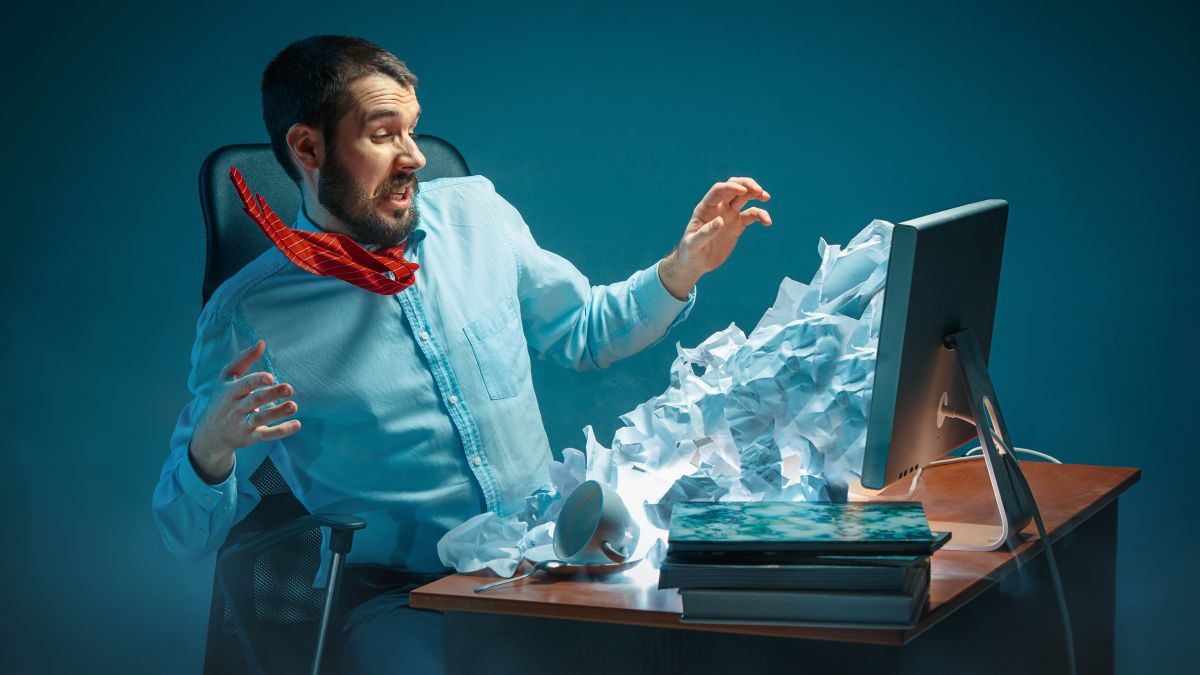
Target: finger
(264,396)
(721,193)
(238,367)
(272,415)
(247,384)
(753,191)
(752,185)
(276,432)
(755,214)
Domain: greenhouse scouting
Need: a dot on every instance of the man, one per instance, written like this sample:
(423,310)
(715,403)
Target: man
(414,410)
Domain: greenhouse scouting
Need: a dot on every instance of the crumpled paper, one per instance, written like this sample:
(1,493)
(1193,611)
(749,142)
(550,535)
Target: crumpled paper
(489,541)
(486,540)
(778,414)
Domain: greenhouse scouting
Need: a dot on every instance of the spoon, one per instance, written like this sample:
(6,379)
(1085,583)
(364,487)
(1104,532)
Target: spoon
(543,565)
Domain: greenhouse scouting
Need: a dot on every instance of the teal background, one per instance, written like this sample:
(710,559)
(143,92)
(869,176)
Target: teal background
(604,125)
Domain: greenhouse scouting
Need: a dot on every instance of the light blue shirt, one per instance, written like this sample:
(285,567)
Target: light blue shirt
(417,409)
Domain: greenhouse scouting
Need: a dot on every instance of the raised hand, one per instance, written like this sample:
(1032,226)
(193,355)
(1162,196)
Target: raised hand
(235,416)
(717,223)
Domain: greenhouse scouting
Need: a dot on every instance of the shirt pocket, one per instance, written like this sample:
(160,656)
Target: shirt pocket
(499,348)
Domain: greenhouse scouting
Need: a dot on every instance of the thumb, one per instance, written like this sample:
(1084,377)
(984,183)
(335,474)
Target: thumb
(707,230)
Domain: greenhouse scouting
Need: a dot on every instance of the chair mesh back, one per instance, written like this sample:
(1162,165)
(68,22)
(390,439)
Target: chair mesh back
(283,574)
(267,480)
(283,577)
(286,606)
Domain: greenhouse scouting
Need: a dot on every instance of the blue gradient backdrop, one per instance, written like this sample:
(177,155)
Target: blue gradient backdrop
(604,126)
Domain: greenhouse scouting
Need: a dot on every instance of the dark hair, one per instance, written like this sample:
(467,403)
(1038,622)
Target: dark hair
(309,81)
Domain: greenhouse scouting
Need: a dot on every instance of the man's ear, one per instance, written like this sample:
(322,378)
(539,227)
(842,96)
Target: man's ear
(307,145)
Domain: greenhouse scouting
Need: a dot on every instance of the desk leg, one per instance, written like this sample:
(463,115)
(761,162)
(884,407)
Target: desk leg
(1013,627)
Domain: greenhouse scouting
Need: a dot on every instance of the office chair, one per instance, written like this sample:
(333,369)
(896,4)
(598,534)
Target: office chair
(266,617)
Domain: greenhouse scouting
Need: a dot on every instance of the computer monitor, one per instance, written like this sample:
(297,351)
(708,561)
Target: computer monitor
(931,381)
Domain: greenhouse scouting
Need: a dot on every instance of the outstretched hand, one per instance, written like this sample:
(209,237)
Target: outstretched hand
(237,417)
(716,225)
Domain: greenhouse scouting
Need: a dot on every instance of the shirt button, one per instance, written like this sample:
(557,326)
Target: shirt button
(476,461)
(423,336)
(453,399)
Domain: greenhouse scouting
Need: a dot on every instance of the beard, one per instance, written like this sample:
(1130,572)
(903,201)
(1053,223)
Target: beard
(348,202)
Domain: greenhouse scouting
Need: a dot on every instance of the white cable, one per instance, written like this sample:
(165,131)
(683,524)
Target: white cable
(970,455)
(1020,451)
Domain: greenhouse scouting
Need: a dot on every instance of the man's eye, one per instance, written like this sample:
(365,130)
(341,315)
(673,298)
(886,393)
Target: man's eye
(385,136)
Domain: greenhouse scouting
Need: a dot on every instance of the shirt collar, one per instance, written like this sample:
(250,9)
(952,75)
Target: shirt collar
(303,222)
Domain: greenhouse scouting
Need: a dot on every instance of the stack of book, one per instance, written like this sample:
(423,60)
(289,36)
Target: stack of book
(801,563)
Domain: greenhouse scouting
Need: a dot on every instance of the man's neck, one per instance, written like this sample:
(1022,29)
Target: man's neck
(322,219)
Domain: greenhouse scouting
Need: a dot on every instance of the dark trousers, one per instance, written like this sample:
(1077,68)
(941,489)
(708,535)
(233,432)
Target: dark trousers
(381,634)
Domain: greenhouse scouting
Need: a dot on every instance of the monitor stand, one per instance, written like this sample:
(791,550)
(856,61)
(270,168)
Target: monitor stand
(1011,491)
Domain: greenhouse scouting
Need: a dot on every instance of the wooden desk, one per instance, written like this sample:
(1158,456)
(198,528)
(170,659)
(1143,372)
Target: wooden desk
(988,612)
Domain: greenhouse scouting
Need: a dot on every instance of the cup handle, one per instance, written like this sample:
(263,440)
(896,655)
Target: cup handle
(614,554)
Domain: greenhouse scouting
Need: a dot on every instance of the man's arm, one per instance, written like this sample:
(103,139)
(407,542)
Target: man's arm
(202,490)
(578,325)
(582,326)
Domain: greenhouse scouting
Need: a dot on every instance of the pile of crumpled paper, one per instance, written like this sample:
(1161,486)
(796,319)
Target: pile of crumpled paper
(778,414)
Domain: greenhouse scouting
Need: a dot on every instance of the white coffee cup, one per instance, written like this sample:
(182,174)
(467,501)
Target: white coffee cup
(594,527)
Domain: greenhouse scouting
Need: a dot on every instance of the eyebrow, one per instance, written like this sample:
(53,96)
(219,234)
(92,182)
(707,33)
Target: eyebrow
(379,114)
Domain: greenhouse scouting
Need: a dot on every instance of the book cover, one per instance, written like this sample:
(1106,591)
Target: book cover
(883,528)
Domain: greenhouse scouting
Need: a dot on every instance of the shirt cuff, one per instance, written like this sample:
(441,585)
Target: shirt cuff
(207,497)
(656,302)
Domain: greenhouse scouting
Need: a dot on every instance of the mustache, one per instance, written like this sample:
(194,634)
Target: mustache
(397,184)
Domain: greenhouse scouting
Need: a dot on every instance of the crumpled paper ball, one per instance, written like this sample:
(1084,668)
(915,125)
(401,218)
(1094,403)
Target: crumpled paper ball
(485,541)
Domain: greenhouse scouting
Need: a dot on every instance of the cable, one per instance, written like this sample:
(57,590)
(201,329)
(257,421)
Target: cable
(952,413)
(1054,574)
(970,455)
(1019,451)
(1056,579)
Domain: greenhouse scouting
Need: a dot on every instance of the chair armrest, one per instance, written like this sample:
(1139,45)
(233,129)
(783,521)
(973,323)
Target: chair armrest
(341,526)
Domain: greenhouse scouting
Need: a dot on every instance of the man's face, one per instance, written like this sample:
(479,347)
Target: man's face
(368,179)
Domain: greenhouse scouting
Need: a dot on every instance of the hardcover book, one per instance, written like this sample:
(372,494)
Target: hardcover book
(879,609)
(710,531)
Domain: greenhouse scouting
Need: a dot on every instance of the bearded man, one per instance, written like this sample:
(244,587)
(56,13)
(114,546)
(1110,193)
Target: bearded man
(413,409)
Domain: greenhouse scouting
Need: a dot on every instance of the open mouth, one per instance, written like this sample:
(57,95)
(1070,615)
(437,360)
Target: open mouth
(402,197)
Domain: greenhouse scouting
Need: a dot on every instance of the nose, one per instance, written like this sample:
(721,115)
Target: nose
(409,158)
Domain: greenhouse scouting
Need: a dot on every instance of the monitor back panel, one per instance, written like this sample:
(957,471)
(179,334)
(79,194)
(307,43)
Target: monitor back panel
(943,275)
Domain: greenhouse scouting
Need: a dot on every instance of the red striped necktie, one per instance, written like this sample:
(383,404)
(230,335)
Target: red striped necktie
(328,254)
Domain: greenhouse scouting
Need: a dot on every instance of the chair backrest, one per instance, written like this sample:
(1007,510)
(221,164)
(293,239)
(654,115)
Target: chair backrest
(233,239)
